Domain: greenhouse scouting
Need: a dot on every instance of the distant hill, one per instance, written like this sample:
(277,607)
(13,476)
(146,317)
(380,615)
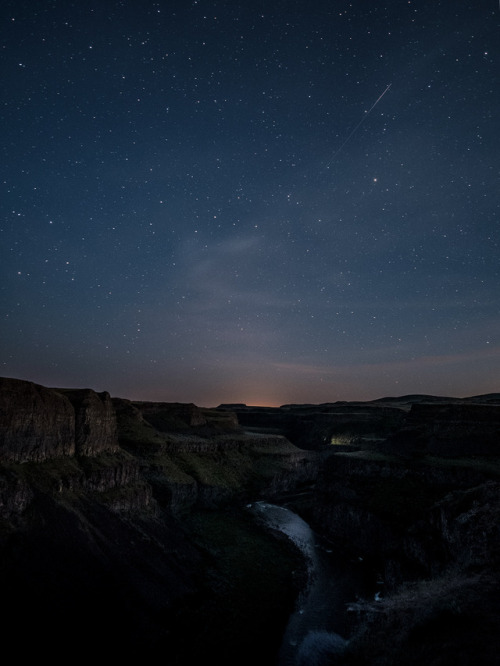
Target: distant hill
(417,397)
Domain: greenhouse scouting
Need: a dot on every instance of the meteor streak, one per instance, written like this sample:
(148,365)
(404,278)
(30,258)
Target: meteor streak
(367,113)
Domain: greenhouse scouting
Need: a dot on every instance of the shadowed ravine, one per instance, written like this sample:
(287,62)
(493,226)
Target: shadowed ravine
(317,629)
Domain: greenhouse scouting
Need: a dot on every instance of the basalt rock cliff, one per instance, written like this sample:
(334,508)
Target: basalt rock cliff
(411,487)
(423,508)
(38,423)
(442,425)
(449,429)
(123,532)
(314,426)
(431,534)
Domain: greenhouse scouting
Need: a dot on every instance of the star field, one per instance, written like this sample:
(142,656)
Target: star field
(251,202)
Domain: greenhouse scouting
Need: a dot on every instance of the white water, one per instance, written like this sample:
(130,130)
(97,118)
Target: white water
(311,637)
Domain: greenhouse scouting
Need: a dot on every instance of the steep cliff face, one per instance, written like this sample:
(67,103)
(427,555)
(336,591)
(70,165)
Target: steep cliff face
(430,528)
(402,515)
(214,462)
(186,417)
(168,417)
(173,455)
(315,426)
(104,538)
(449,429)
(95,422)
(128,510)
(38,423)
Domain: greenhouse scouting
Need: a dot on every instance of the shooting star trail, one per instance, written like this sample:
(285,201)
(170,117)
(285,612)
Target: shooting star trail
(367,113)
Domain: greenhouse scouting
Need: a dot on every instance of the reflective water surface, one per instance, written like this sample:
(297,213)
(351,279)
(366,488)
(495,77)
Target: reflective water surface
(317,629)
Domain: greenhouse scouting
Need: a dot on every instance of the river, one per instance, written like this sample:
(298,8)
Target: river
(318,628)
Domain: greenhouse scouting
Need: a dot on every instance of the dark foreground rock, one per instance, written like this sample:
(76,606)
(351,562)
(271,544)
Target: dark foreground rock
(430,529)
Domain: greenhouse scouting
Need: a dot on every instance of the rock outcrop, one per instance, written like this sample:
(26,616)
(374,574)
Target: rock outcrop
(213,462)
(115,513)
(95,422)
(402,515)
(39,423)
(313,427)
(169,417)
(449,429)
(430,529)
(413,423)
(105,539)
(36,423)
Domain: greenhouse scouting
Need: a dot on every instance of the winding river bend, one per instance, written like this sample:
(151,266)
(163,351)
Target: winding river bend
(318,628)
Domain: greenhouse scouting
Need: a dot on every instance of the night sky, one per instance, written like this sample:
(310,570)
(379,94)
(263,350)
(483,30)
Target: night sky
(247,201)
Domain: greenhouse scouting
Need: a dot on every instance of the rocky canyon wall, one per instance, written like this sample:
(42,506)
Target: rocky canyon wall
(39,423)
(97,493)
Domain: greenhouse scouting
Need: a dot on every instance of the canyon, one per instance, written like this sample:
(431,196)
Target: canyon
(124,530)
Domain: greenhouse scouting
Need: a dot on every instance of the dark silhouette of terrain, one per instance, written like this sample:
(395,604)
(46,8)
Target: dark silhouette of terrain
(471,425)
(123,530)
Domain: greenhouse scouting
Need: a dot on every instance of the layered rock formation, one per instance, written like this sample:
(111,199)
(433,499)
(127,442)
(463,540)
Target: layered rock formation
(450,429)
(121,524)
(212,462)
(437,424)
(38,423)
(413,490)
(430,529)
(95,422)
(104,540)
(316,426)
